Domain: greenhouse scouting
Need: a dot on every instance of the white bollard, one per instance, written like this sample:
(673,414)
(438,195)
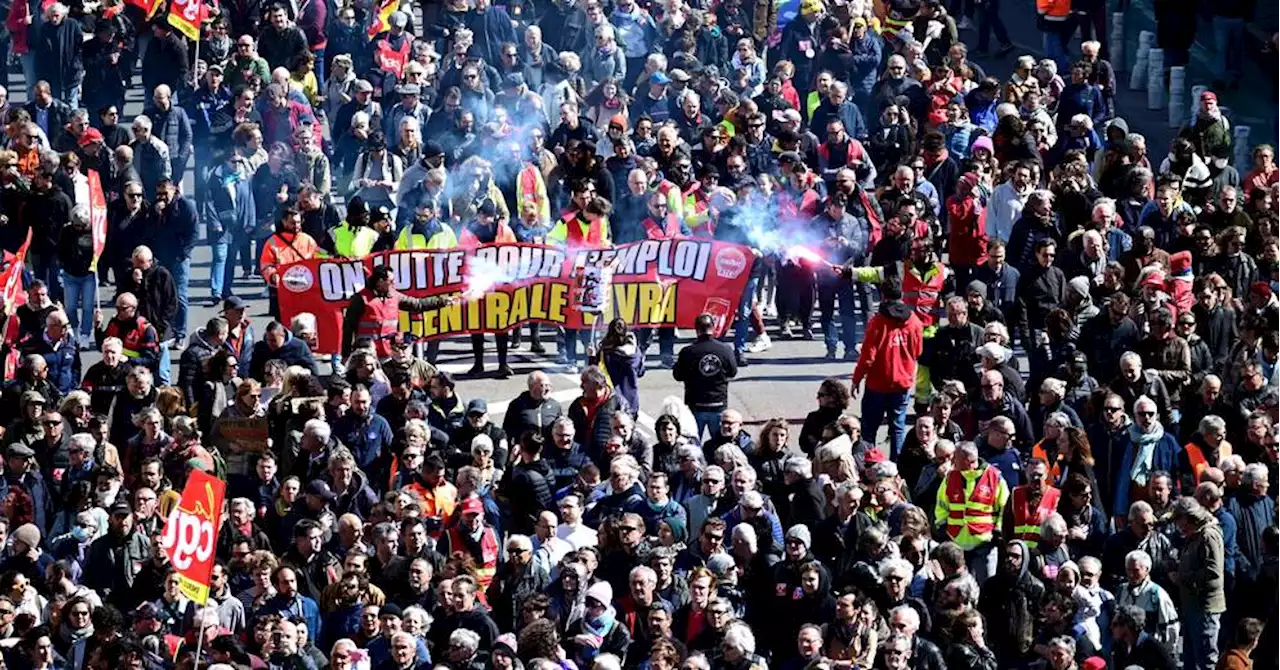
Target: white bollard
(1155,79)
(1117,41)
(1138,77)
(1193,108)
(1244,152)
(1177,95)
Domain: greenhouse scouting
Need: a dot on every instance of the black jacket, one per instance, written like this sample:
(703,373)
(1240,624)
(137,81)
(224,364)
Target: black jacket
(46,212)
(75,250)
(165,62)
(594,436)
(1040,290)
(705,367)
(293,352)
(157,298)
(525,413)
(529,493)
(1218,328)
(280,47)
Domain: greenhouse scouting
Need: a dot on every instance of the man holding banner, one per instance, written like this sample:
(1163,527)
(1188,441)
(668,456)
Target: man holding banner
(374,312)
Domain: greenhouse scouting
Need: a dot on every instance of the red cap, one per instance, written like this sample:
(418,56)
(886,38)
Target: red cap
(1154,280)
(1209,95)
(90,136)
(1180,262)
(1094,663)
(875,455)
(471,506)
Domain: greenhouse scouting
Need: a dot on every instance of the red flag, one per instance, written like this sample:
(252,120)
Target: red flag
(187,16)
(150,7)
(11,277)
(191,533)
(97,217)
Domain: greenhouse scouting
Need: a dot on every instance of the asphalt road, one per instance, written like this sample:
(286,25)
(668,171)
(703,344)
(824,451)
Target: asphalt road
(780,382)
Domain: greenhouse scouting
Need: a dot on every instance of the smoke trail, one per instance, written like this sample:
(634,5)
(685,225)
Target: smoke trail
(481,276)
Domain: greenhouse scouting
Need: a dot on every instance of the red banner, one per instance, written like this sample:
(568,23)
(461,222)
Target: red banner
(97,217)
(191,533)
(653,283)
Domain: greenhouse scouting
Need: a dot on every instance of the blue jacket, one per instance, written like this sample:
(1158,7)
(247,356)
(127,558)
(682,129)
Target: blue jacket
(33,483)
(367,437)
(866,65)
(1081,99)
(1165,457)
(293,352)
(174,129)
(1008,461)
(64,362)
(222,213)
(299,606)
(181,232)
(1230,547)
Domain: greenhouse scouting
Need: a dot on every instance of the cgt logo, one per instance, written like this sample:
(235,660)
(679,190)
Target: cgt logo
(189,534)
(298,279)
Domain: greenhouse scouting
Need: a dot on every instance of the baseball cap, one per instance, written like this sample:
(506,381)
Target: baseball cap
(362,86)
(471,506)
(90,136)
(680,75)
(659,78)
(233,302)
(320,488)
(478,406)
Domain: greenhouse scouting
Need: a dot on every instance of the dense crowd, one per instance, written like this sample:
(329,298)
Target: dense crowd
(1069,336)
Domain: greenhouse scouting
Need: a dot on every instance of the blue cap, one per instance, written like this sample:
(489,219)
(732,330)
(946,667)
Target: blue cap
(660,78)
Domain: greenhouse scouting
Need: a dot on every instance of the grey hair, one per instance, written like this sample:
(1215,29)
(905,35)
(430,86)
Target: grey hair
(739,636)
(1189,509)
(1254,472)
(464,638)
(753,500)
(647,573)
(1059,419)
(692,453)
(907,612)
(1131,616)
(799,466)
(317,428)
(1139,509)
(481,444)
(1130,356)
(1138,557)
(1144,401)
(884,470)
(890,566)
(1212,425)
(1054,526)
(1106,205)
(1090,561)
(521,541)
(84,441)
(968,448)
(745,532)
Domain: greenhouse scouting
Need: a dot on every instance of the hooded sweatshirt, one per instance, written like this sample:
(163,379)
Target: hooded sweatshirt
(893,344)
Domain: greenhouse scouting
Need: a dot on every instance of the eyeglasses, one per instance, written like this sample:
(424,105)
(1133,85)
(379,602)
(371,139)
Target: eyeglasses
(627,529)
(1147,413)
(714,537)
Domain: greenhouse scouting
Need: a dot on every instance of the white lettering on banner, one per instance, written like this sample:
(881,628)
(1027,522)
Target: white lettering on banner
(680,259)
(523,262)
(187,538)
(340,281)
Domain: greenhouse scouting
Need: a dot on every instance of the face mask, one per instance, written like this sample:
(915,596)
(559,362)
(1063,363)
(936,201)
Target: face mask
(80,533)
(1220,163)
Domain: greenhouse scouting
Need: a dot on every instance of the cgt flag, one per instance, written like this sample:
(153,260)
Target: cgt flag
(97,217)
(191,533)
(187,16)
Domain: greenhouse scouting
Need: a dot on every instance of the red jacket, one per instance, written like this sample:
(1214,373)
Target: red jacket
(890,349)
(967,242)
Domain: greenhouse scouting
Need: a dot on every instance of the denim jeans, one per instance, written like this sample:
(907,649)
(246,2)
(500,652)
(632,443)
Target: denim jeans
(708,421)
(232,245)
(1055,47)
(1200,639)
(743,316)
(875,407)
(181,271)
(219,245)
(569,345)
(79,292)
(828,293)
(166,363)
(1228,36)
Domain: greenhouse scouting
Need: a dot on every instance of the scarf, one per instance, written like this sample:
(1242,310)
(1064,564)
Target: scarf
(1140,473)
(598,628)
